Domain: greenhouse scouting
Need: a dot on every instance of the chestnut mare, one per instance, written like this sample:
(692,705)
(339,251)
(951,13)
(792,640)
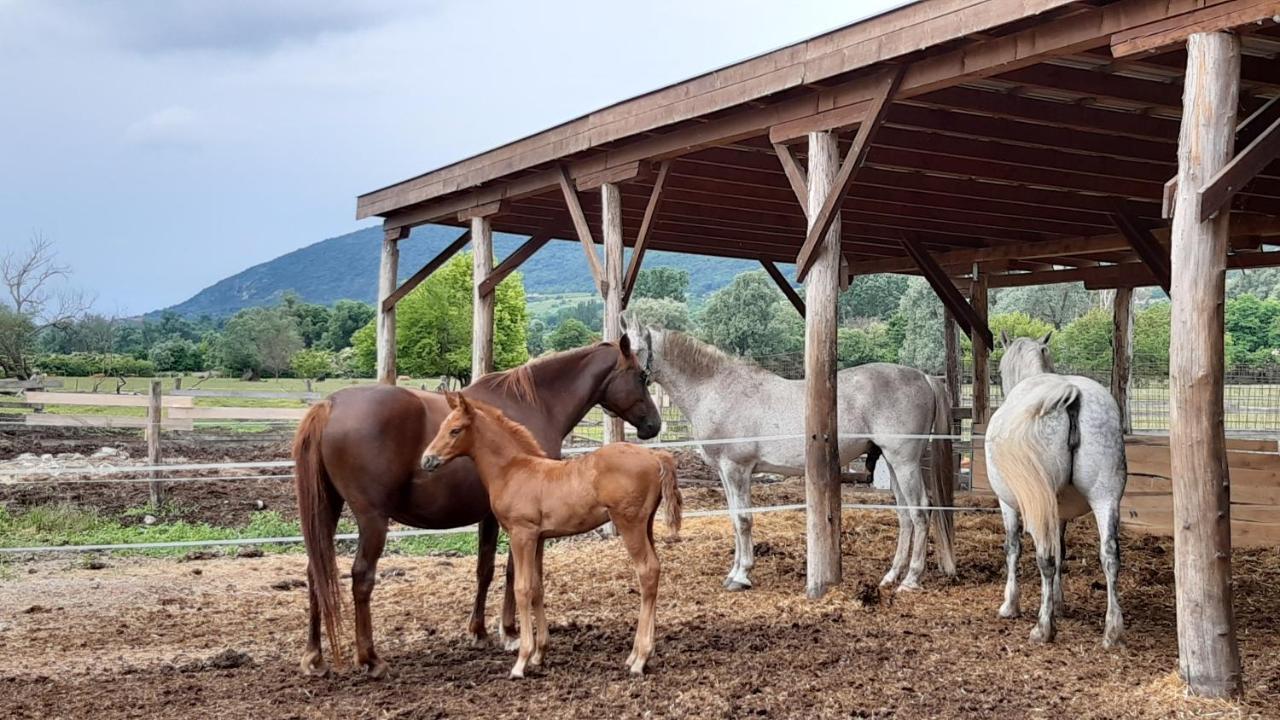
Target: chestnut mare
(536,497)
(363,446)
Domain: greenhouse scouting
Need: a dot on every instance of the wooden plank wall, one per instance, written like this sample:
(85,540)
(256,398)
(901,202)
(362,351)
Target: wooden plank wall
(1148,500)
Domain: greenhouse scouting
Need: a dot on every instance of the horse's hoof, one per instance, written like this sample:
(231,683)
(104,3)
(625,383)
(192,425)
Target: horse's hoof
(1041,636)
(478,640)
(535,659)
(637,667)
(909,586)
(888,580)
(377,669)
(736,586)
(1008,613)
(314,666)
(517,673)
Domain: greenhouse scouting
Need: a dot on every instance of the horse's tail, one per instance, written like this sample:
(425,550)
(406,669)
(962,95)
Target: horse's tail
(942,475)
(1019,451)
(671,497)
(316,510)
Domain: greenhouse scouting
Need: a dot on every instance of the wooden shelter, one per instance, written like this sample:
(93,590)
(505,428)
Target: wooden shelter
(978,143)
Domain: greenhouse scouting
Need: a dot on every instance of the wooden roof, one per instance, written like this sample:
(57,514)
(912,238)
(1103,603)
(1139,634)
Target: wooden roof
(1020,130)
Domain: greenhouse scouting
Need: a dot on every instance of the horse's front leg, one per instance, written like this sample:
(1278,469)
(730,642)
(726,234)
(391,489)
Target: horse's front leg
(488,548)
(736,480)
(541,637)
(1012,551)
(524,552)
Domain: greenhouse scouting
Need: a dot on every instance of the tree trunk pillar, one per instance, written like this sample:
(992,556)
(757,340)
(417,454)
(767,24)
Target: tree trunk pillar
(155,412)
(822,457)
(481,305)
(1208,655)
(981,353)
(611,208)
(387,315)
(1122,354)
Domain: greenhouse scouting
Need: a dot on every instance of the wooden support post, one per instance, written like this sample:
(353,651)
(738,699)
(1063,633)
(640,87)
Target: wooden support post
(1208,655)
(387,311)
(435,263)
(1122,354)
(792,296)
(611,232)
(482,303)
(981,350)
(822,456)
(951,345)
(155,411)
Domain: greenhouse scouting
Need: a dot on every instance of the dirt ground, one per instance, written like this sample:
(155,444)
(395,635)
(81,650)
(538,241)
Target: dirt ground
(221,638)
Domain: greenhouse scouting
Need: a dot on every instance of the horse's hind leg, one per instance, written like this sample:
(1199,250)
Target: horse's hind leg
(541,637)
(904,532)
(639,541)
(1012,550)
(918,501)
(313,657)
(507,630)
(1108,517)
(737,491)
(1058,604)
(488,548)
(1047,563)
(364,569)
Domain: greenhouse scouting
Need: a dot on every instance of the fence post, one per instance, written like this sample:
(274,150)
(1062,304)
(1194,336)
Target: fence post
(154,410)
(177,383)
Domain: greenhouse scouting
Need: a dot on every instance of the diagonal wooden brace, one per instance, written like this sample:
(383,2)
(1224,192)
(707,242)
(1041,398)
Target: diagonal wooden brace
(646,228)
(792,296)
(434,264)
(1154,255)
(581,225)
(513,261)
(966,317)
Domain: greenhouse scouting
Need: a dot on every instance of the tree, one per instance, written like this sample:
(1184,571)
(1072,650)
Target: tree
(587,312)
(872,296)
(737,317)
(433,325)
(258,339)
(1015,325)
(660,312)
(1056,304)
(1259,282)
(311,320)
(313,364)
(1084,345)
(859,346)
(570,334)
(922,343)
(1151,339)
(1252,324)
(345,318)
(35,299)
(176,355)
(536,337)
(662,282)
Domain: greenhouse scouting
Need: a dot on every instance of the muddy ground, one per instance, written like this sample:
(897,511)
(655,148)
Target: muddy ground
(221,638)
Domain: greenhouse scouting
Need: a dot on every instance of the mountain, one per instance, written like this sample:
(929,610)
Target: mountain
(346,267)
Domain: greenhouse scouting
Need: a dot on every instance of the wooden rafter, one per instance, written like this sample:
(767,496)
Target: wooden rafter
(581,225)
(646,229)
(513,261)
(389,302)
(793,297)
(1171,30)
(821,222)
(966,317)
(1247,131)
(1154,255)
(795,173)
(1245,166)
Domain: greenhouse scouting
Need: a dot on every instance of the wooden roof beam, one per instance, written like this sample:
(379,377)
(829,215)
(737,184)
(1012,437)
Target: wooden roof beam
(1167,31)
(1242,168)
(821,222)
(969,320)
(646,228)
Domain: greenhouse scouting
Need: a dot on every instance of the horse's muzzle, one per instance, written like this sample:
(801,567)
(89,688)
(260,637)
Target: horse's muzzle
(431,462)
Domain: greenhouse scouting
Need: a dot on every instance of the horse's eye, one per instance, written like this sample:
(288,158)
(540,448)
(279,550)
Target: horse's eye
(455,432)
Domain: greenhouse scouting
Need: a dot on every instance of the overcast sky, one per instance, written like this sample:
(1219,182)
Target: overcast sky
(165,144)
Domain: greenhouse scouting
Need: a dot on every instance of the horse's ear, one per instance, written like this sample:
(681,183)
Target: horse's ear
(452,399)
(1004,339)
(624,344)
(1045,340)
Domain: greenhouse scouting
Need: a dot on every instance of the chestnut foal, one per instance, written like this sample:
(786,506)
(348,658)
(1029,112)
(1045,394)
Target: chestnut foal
(535,497)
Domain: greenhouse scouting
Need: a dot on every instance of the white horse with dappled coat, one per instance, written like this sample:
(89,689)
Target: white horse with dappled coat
(895,408)
(1055,450)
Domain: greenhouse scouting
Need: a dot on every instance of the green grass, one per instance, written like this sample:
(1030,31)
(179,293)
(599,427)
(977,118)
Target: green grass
(62,524)
(542,305)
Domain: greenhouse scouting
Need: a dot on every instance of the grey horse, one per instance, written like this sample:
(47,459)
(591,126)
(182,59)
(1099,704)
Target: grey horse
(1054,451)
(895,408)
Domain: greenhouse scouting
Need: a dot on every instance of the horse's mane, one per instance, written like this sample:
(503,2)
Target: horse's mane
(519,433)
(701,360)
(518,381)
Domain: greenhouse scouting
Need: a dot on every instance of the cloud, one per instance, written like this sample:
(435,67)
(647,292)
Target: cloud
(235,26)
(171,127)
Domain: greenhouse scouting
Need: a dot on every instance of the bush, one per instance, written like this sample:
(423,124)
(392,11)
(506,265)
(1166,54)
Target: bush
(313,364)
(176,355)
(570,334)
(660,312)
(862,346)
(86,364)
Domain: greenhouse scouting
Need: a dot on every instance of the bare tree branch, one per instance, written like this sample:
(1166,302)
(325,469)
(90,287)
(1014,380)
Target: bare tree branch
(27,277)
